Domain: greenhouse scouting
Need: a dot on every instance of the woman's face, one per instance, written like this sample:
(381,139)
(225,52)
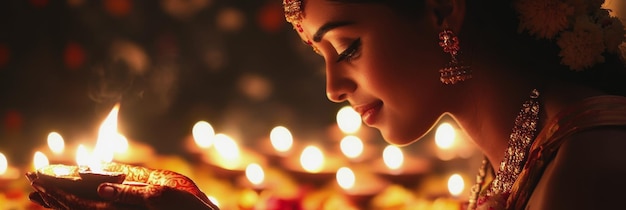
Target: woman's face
(384,64)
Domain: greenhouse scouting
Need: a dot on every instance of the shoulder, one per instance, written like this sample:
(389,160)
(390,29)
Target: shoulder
(588,172)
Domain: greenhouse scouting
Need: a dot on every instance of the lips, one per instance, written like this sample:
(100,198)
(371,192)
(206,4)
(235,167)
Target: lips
(369,112)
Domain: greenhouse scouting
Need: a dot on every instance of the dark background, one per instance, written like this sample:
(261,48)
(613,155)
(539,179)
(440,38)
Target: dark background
(235,63)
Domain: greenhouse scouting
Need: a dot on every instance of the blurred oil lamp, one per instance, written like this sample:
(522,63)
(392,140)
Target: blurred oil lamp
(8,173)
(359,186)
(355,149)
(228,159)
(202,138)
(445,139)
(451,142)
(40,160)
(281,140)
(455,185)
(254,184)
(352,144)
(313,166)
(312,159)
(57,147)
(398,168)
(256,176)
(352,147)
(279,145)
(348,120)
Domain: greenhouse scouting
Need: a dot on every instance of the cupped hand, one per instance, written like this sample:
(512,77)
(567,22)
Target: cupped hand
(144,188)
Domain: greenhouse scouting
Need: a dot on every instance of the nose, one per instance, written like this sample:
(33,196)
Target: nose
(339,85)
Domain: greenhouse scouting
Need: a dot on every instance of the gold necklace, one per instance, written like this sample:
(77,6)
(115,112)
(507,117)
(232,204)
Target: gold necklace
(519,143)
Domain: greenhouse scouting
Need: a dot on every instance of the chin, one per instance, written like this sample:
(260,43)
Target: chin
(405,135)
(399,139)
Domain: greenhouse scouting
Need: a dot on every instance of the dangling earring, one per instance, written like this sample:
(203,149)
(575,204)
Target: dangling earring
(455,71)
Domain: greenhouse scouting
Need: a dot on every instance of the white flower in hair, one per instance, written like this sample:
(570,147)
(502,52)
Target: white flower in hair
(544,18)
(583,46)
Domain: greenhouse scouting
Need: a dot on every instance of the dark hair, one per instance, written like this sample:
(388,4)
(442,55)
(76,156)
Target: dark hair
(493,18)
(408,8)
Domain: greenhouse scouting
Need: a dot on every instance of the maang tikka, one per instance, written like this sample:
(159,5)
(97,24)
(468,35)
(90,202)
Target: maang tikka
(455,71)
(294,13)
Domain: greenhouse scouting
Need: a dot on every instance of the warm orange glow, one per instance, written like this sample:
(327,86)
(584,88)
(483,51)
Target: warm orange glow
(228,150)
(345,178)
(281,139)
(351,146)
(108,138)
(393,157)
(455,185)
(56,143)
(4,164)
(255,173)
(203,134)
(120,143)
(312,159)
(445,136)
(214,200)
(85,158)
(40,160)
(348,120)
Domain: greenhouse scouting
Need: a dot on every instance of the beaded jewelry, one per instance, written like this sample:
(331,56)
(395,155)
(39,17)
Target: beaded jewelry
(294,13)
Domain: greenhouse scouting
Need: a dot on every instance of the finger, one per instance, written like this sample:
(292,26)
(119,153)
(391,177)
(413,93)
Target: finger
(31,176)
(176,181)
(49,201)
(59,199)
(130,194)
(35,197)
(153,196)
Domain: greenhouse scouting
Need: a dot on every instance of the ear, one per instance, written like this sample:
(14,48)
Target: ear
(448,13)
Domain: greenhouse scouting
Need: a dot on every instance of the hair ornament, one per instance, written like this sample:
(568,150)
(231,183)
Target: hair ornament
(581,28)
(293,11)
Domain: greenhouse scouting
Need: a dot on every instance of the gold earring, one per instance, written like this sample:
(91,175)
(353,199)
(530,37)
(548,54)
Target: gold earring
(455,71)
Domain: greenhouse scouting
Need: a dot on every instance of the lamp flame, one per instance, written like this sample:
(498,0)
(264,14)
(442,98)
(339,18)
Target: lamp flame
(203,134)
(228,151)
(56,143)
(345,178)
(85,158)
(351,146)
(108,137)
(393,157)
(281,139)
(40,160)
(4,164)
(312,159)
(255,173)
(445,136)
(348,120)
(455,185)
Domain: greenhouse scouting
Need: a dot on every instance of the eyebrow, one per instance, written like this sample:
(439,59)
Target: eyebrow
(317,37)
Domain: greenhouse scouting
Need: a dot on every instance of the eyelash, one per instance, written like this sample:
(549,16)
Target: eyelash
(351,52)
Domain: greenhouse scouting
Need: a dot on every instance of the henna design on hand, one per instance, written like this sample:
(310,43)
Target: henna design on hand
(129,196)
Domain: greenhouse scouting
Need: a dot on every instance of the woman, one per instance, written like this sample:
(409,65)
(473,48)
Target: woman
(538,85)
